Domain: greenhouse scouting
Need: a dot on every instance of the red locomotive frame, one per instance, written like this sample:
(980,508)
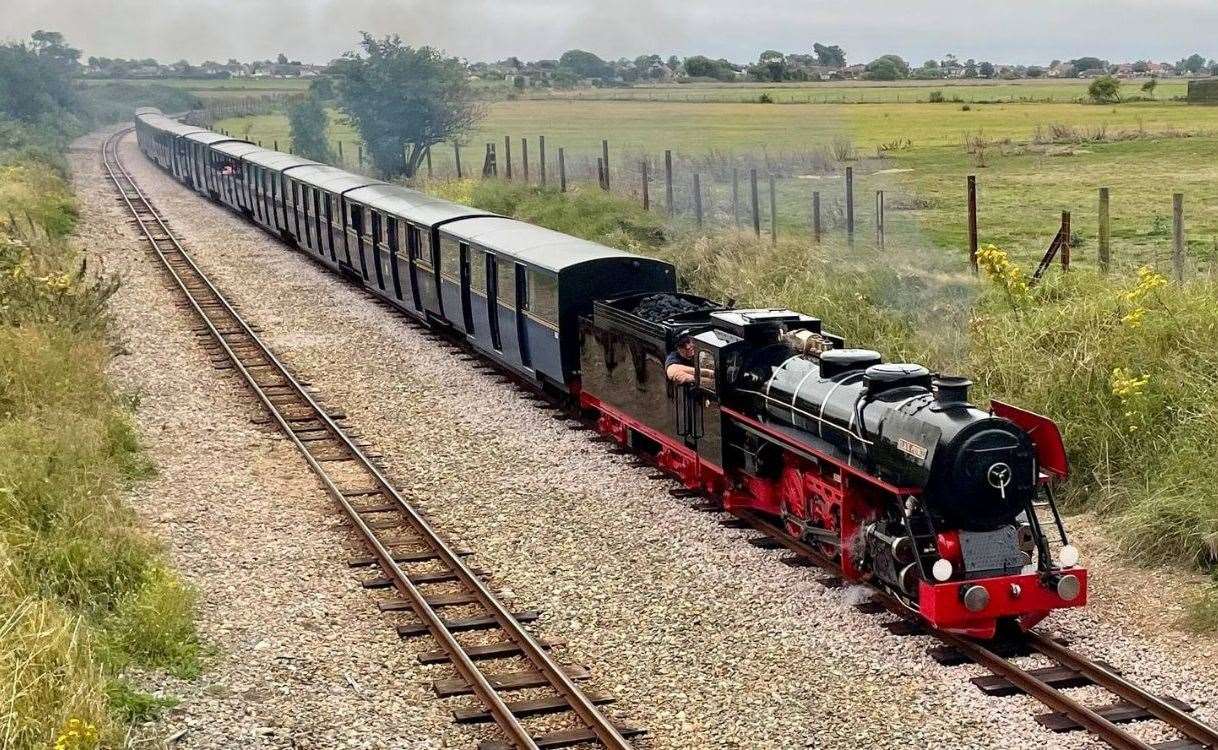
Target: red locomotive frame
(824,492)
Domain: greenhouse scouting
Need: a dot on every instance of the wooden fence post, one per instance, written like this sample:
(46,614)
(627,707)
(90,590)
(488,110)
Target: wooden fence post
(773,212)
(1177,226)
(1105,231)
(879,216)
(507,157)
(816,229)
(457,157)
(698,197)
(756,203)
(668,180)
(646,194)
(736,196)
(562,170)
(850,203)
(430,174)
(541,156)
(340,151)
(276,144)
(972,222)
(524,159)
(361,155)
(605,156)
(600,172)
(1065,250)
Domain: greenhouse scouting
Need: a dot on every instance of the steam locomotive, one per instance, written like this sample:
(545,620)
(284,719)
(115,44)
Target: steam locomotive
(886,467)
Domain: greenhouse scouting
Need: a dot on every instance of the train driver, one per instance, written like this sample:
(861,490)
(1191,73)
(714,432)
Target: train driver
(679,365)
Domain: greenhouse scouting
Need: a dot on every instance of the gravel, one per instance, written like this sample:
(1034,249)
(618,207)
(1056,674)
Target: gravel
(703,639)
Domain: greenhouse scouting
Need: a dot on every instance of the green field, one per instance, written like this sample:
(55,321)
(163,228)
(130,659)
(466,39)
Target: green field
(866,92)
(217,88)
(1033,161)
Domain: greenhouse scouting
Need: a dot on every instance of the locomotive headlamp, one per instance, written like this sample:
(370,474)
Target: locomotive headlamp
(1068,556)
(941,570)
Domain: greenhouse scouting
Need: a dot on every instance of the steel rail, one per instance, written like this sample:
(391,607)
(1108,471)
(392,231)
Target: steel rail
(1163,711)
(1046,694)
(585,709)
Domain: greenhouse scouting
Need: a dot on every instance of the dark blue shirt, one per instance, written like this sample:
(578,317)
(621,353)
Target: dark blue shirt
(675,358)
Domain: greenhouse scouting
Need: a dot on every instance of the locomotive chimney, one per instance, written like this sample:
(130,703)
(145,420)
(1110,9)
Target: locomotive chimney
(951,390)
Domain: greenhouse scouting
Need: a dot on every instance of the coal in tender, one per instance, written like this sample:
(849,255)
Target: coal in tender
(660,307)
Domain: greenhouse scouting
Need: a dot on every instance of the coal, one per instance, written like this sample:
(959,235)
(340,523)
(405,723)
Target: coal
(660,307)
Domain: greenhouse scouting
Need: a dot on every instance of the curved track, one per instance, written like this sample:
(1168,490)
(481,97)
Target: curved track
(395,532)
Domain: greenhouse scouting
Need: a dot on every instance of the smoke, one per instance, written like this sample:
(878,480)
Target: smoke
(319,30)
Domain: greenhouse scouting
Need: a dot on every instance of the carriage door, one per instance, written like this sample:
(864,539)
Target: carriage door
(392,232)
(412,252)
(467,314)
(376,244)
(492,299)
(522,304)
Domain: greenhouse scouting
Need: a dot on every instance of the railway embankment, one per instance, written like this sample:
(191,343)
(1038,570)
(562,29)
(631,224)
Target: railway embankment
(87,597)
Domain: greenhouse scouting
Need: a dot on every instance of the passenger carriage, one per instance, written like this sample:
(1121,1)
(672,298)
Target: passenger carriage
(319,219)
(162,139)
(398,243)
(517,291)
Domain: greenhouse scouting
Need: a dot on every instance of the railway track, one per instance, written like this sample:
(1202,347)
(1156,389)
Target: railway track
(398,536)
(1067,668)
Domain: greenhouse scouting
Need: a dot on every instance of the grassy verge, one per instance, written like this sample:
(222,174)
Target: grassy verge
(1125,363)
(86,598)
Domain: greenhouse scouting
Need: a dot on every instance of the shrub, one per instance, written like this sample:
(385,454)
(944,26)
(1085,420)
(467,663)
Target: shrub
(936,97)
(765,99)
(1104,90)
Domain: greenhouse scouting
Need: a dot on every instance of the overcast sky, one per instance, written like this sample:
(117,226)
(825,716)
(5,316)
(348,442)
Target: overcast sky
(1027,31)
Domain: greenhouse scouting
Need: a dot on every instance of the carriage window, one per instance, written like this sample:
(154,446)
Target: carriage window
(505,283)
(422,251)
(477,270)
(543,296)
(450,258)
(355,217)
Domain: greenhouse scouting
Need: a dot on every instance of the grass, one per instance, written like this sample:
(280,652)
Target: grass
(865,92)
(85,594)
(212,88)
(1033,161)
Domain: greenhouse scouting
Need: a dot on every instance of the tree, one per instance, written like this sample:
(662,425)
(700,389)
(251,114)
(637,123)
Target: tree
(700,65)
(1193,64)
(282,59)
(1150,86)
(585,64)
(403,100)
(771,55)
(970,68)
(322,89)
(834,56)
(887,68)
(310,130)
(883,69)
(1141,66)
(986,69)
(1035,71)
(35,88)
(1081,64)
(1104,90)
(50,45)
(931,64)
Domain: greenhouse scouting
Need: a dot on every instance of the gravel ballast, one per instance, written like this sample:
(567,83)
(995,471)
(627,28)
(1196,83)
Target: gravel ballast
(704,639)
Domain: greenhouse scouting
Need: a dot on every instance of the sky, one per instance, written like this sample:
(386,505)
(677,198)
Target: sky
(1004,31)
